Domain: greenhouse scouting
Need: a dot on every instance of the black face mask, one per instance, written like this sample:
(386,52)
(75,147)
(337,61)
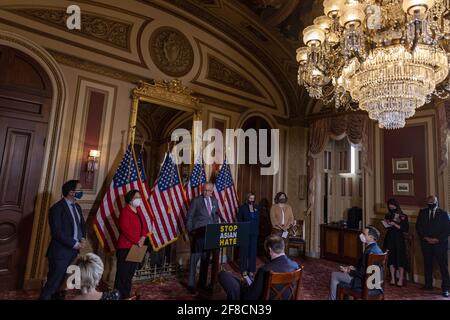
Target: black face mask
(251,202)
(282,200)
(392,210)
(432,205)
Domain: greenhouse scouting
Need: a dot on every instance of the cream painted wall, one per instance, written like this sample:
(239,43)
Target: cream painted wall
(296,167)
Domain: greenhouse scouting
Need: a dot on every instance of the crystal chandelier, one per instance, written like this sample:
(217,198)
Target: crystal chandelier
(389,56)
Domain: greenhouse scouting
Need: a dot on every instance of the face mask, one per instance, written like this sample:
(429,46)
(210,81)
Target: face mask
(362,237)
(136,202)
(432,205)
(282,200)
(78,195)
(393,210)
(251,202)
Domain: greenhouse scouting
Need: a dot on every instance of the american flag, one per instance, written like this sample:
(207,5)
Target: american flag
(126,178)
(168,204)
(225,193)
(193,187)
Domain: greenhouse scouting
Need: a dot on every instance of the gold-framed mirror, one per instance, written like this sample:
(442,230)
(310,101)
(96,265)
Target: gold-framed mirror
(158,108)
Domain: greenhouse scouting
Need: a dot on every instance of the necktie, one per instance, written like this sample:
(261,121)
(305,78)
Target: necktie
(431,214)
(208,206)
(77,220)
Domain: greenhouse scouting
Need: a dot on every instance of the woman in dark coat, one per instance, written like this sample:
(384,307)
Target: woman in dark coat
(395,241)
(249,212)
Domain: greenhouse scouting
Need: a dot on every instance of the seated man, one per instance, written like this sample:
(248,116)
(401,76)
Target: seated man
(279,262)
(353,277)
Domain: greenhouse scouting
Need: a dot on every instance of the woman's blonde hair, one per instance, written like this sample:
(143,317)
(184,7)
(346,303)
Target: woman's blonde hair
(91,271)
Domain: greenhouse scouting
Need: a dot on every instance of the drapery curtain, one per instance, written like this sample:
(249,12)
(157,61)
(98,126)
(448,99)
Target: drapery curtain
(358,129)
(443,123)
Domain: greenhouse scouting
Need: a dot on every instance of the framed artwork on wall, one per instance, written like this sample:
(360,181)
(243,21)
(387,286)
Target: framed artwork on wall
(402,165)
(403,187)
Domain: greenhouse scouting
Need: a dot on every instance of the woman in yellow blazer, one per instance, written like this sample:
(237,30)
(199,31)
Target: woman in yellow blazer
(281,215)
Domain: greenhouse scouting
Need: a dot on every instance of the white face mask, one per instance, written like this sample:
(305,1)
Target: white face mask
(362,237)
(136,202)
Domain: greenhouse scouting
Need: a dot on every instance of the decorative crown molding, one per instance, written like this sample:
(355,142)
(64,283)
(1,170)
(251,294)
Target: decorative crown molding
(94,67)
(94,26)
(223,74)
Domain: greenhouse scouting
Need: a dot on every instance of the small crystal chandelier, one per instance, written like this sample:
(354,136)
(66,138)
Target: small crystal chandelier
(389,56)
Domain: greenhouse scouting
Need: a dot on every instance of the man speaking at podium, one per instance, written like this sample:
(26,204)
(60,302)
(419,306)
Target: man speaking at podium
(202,211)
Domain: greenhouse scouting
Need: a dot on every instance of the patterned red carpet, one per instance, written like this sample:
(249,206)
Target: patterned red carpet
(315,284)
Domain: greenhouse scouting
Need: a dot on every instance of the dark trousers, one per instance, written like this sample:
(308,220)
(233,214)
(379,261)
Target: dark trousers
(438,251)
(230,284)
(198,253)
(248,255)
(204,263)
(124,273)
(57,268)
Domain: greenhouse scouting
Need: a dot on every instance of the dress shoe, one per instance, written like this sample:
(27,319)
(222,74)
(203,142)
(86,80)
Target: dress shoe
(192,290)
(427,288)
(445,294)
(202,286)
(59,295)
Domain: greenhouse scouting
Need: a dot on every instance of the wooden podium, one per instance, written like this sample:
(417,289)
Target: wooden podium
(218,237)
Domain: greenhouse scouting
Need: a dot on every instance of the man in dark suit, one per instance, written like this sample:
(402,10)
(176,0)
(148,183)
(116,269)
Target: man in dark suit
(68,232)
(202,211)
(279,262)
(433,228)
(351,276)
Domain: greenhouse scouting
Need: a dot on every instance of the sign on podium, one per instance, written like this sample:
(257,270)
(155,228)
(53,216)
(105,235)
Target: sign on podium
(227,235)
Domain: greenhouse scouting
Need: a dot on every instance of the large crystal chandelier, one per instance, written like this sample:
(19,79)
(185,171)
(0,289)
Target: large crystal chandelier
(389,56)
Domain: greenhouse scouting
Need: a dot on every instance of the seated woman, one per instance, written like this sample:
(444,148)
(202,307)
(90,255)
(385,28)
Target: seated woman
(91,271)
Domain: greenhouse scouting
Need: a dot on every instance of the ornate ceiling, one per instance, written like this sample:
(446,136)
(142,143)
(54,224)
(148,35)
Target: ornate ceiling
(262,32)
(267,28)
(286,16)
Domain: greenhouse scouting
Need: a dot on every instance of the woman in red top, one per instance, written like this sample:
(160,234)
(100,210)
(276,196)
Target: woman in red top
(132,231)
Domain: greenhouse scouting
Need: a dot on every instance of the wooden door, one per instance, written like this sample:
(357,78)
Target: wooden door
(249,175)
(25,100)
(250,179)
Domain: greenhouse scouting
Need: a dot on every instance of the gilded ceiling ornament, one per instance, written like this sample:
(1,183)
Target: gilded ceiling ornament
(171,51)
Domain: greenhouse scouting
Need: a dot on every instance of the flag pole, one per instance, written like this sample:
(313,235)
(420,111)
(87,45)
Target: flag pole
(132,129)
(145,200)
(131,145)
(133,119)
(183,194)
